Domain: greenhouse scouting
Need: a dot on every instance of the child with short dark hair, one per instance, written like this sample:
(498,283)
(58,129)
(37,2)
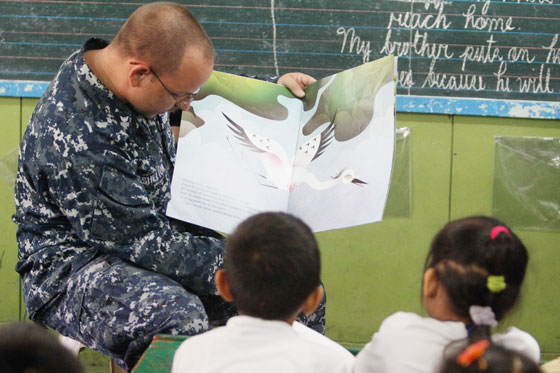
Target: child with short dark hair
(472,278)
(27,347)
(272,273)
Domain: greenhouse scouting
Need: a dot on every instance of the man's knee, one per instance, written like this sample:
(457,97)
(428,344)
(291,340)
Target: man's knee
(184,315)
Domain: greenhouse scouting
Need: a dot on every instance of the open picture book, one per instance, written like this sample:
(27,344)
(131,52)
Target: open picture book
(248,146)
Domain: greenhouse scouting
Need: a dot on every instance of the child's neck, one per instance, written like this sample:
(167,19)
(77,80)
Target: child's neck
(438,308)
(290,320)
(447,315)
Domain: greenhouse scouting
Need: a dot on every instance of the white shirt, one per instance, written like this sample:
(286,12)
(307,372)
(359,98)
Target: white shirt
(248,344)
(407,342)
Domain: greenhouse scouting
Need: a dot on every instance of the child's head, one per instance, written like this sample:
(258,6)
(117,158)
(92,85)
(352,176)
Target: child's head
(26,347)
(478,261)
(272,267)
(486,357)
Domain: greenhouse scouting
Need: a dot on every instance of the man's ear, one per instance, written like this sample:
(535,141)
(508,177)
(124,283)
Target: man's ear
(313,300)
(222,285)
(136,72)
(431,283)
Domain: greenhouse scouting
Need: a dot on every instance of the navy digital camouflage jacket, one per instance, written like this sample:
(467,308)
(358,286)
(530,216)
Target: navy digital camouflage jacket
(94,178)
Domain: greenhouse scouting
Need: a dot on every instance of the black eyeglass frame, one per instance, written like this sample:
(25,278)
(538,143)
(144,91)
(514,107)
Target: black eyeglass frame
(179,99)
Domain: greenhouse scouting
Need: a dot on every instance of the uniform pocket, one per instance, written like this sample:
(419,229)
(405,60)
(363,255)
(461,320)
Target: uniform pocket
(123,211)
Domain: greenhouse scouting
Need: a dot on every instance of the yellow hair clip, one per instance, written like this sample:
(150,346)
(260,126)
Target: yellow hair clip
(496,283)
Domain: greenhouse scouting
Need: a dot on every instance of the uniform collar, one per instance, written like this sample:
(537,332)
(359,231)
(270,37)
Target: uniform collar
(99,93)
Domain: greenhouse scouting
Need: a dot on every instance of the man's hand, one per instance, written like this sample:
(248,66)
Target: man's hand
(296,82)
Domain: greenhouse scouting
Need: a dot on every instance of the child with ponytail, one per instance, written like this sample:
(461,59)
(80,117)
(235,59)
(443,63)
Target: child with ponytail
(484,356)
(472,279)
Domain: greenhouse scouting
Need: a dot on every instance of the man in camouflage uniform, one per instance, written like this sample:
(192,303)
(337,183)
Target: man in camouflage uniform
(100,261)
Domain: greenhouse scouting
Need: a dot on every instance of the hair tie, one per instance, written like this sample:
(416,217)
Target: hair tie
(496,283)
(483,316)
(472,353)
(497,230)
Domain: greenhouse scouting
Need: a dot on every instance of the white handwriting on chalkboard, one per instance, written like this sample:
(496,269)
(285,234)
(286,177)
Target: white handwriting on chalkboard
(519,54)
(452,81)
(405,78)
(485,22)
(534,1)
(435,3)
(423,41)
(502,82)
(553,53)
(536,85)
(482,54)
(419,46)
(411,20)
(362,47)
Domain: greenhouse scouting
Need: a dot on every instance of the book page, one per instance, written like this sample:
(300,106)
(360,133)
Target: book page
(235,152)
(346,182)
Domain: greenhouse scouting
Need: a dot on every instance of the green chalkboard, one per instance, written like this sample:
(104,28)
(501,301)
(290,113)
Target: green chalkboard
(488,50)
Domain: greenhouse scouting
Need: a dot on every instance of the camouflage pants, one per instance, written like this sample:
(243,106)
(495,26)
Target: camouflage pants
(116,308)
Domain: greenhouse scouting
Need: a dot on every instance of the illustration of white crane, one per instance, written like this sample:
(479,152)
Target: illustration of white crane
(280,171)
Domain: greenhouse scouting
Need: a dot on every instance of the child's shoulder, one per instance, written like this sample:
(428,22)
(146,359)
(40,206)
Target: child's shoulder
(403,316)
(398,324)
(405,323)
(313,337)
(519,340)
(406,340)
(323,353)
(403,319)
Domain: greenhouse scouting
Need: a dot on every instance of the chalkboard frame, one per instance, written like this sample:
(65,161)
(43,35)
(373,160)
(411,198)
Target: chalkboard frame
(404,104)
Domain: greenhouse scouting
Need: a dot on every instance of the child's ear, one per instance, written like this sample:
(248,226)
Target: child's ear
(222,285)
(313,300)
(430,285)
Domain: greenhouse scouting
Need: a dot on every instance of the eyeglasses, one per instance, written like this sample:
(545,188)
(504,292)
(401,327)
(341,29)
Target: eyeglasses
(179,99)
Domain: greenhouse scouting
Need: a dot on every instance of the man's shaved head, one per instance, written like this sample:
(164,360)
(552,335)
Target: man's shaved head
(160,33)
